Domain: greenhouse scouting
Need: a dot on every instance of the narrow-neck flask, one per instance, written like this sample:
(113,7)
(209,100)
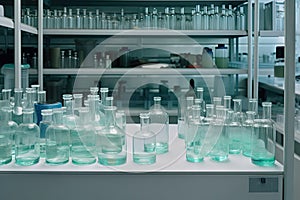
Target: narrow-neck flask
(154,19)
(6,97)
(194,138)
(220,146)
(208,139)
(159,124)
(91,20)
(212,17)
(227,102)
(199,95)
(57,140)
(230,19)
(97,20)
(160,21)
(172,19)
(103,95)
(18,108)
(223,18)
(242,19)
(234,131)
(85,20)
(7,134)
(263,138)
(27,137)
(83,140)
(56,18)
(216,18)
(111,141)
(167,18)
(253,106)
(121,119)
(46,121)
(205,19)
(94,112)
(77,98)
(147,18)
(247,133)
(70,19)
(144,143)
(103,21)
(182,22)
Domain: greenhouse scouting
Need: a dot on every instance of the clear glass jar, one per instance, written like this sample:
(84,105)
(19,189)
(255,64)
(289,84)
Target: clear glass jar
(57,140)
(27,140)
(247,133)
(159,124)
(263,138)
(18,108)
(144,143)
(46,121)
(83,140)
(7,134)
(111,141)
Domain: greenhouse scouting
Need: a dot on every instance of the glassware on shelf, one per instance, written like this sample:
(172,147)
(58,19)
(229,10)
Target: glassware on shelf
(44,123)
(211,19)
(182,22)
(197,18)
(219,136)
(121,119)
(111,141)
(147,17)
(85,20)
(7,133)
(205,19)
(83,140)
(234,130)
(70,19)
(217,101)
(253,106)
(27,137)
(167,18)
(144,142)
(173,19)
(263,138)
(223,18)
(227,102)
(78,19)
(216,18)
(69,118)
(230,19)
(78,99)
(247,133)
(62,59)
(91,20)
(154,19)
(97,20)
(57,140)
(64,19)
(185,116)
(103,21)
(159,124)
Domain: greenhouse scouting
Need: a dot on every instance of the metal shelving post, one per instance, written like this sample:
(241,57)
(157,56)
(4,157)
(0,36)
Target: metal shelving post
(17,29)
(40,44)
(289,99)
(250,49)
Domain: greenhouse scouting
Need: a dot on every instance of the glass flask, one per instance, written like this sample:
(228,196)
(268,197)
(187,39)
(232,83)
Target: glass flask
(57,140)
(230,18)
(78,19)
(227,102)
(197,18)
(147,18)
(103,95)
(18,108)
(247,131)
(194,137)
(64,19)
(154,19)
(187,113)
(70,19)
(219,137)
(111,141)
(172,19)
(77,98)
(97,20)
(159,124)
(85,20)
(211,19)
(27,137)
(223,18)
(167,18)
(93,102)
(46,121)
(83,140)
(216,18)
(69,118)
(263,138)
(199,96)
(217,101)
(205,19)
(253,106)
(144,143)
(7,134)
(182,22)
(6,97)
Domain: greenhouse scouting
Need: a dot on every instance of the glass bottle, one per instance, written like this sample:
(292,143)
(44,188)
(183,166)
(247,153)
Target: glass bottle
(217,18)
(69,118)
(121,119)
(97,20)
(27,145)
(91,20)
(95,117)
(199,96)
(227,102)
(7,134)
(70,20)
(75,60)
(108,61)
(206,132)
(103,95)
(230,19)
(182,19)
(64,19)
(160,21)
(197,18)
(205,19)
(83,139)
(193,18)
(103,21)
(27,16)
(57,140)
(211,19)
(172,19)
(223,18)
(144,143)
(167,18)
(154,19)
(49,20)
(78,19)
(263,138)
(77,103)
(111,141)
(6,97)
(70,59)
(220,146)
(18,108)
(147,18)
(85,20)
(193,137)
(253,106)
(247,131)
(159,124)
(122,20)
(46,121)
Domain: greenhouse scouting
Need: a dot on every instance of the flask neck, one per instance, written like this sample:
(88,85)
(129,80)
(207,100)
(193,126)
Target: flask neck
(5,115)
(18,98)
(237,105)
(267,108)
(27,117)
(209,110)
(144,123)
(110,116)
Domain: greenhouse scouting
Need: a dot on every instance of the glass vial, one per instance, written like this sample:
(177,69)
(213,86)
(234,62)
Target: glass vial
(111,141)
(159,124)
(57,140)
(27,145)
(144,143)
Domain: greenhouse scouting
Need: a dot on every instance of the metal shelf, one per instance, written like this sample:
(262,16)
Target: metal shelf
(140,71)
(6,22)
(29,29)
(271,33)
(145,32)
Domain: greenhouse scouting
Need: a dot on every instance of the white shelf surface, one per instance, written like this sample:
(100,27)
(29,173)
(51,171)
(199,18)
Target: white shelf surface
(146,32)
(141,71)
(271,33)
(6,22)
(29,29)
(172,162)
